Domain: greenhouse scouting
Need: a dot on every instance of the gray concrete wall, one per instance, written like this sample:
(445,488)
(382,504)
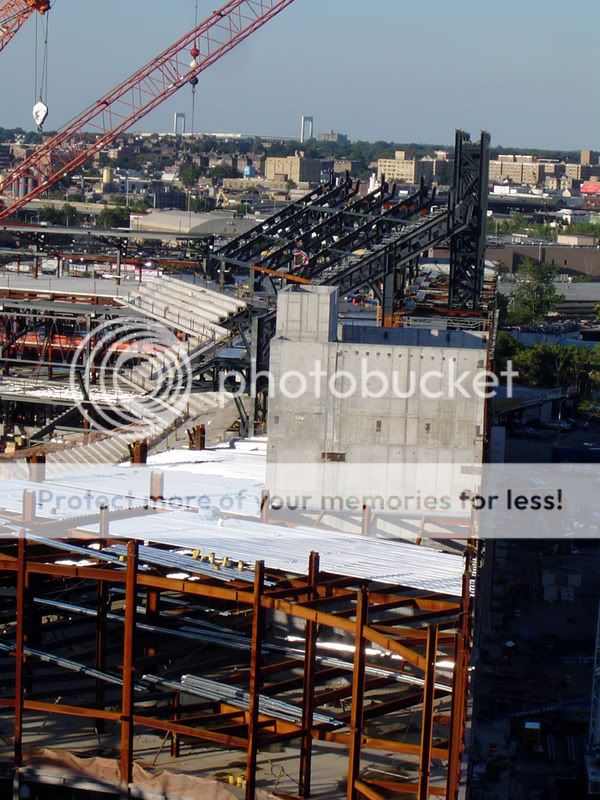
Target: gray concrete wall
(399,436)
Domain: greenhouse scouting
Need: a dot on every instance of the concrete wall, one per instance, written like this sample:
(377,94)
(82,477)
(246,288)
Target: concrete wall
(337,436)
(584,260)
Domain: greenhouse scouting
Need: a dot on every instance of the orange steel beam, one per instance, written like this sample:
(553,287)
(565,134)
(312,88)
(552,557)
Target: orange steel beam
(106,258)
(70,711)
(235,596)
(364,790)
(405,788)
(138,719)
(286,276)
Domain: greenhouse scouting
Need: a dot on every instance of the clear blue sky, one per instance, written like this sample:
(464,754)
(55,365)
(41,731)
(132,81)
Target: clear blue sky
(526,70)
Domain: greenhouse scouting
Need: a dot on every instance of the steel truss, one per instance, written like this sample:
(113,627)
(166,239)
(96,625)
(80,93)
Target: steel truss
(288,222)
(15,13)
(354,225)
(250,706)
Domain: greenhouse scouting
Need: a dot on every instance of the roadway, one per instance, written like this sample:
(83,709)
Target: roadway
(100,233)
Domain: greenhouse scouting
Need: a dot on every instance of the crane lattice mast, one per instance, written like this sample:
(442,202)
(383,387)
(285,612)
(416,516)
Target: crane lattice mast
(15,13)
(97,126)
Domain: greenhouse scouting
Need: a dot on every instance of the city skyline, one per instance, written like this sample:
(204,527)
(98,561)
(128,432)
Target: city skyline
(519,87)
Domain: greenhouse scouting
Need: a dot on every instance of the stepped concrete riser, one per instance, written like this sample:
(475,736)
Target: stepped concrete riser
(166,296)
(182,309)
(190,303)
(187,324)
(202,292)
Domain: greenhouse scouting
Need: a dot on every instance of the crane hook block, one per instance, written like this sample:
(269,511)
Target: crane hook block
(40,112)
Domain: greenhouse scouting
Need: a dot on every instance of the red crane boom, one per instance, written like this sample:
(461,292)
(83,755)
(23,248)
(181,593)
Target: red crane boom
(134,98)
(15,13)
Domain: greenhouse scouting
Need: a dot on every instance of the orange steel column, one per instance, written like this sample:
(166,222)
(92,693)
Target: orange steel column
(358,692)
(310,651)
(460,683)
(427,717)
(258,620)
(126,760)
(20,650)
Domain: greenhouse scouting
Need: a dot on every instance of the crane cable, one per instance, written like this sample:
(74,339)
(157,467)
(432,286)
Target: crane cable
(194,84)
(40,108)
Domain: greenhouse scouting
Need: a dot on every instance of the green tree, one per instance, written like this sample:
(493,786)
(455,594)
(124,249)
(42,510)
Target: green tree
(51,214)
(70,214)
(189,174)
(507,348)
(535,295)
(224,171)
(113,217)
(556,366)
(139,205)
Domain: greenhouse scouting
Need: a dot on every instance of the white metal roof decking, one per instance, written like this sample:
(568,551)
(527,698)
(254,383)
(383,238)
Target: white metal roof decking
(236,473)
(286,549)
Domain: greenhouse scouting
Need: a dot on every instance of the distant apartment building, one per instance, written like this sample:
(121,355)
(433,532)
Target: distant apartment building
(587,158)
(405,170)
(341,165)
(522,170)
(443,167)
(258,160)
(230,161)
(295,168)
(5,157)
(333,137)
(580,172)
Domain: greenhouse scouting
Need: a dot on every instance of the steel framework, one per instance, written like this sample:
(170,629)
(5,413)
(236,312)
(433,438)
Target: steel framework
(114,113)
(382,248)
(274,693)
(15,13)
(467,245)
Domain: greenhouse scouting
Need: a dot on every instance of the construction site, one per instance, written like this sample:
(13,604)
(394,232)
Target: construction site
(169,628)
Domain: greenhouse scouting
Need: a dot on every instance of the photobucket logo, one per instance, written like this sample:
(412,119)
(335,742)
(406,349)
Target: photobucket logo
(372,384)
(132,371)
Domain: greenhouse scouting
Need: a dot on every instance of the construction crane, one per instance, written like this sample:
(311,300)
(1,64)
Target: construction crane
(178,66)
(15,13)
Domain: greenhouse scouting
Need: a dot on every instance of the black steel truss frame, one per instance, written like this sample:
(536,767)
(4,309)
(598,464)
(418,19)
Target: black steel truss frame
(467,245)
(309,210)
